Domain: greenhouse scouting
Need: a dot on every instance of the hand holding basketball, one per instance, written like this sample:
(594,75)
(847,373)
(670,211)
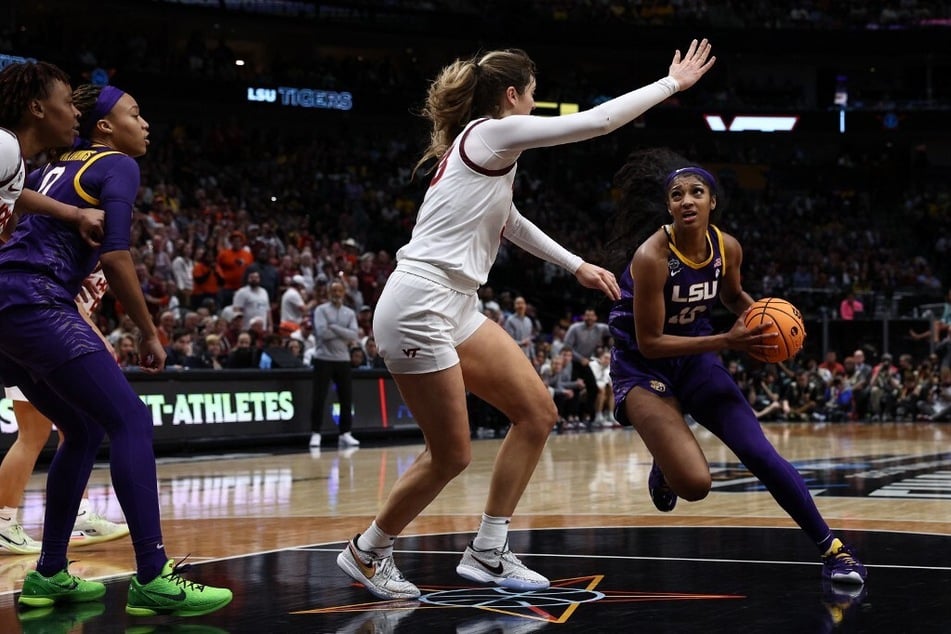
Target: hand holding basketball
(786,321)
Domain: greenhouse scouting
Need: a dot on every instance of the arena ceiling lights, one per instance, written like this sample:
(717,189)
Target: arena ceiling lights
(752,123)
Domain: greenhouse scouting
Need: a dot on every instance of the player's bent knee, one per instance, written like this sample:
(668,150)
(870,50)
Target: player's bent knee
(693,488)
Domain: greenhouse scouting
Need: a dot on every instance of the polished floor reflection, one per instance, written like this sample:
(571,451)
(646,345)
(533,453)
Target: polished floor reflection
(269,525)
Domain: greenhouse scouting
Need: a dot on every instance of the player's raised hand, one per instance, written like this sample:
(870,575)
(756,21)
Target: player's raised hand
(693,65)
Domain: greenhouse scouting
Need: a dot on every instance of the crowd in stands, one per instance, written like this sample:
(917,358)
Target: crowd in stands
(232,215)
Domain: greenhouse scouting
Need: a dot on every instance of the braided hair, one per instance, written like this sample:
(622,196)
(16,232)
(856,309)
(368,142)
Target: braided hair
(21,83)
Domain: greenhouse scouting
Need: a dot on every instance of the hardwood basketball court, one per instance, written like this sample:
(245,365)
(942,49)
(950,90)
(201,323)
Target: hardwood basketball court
(269,524)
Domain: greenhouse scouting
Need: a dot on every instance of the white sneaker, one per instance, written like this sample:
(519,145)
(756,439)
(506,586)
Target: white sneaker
(500,567)
(347,440)
(92,528)
(15,541)
(315,440)
(378,574)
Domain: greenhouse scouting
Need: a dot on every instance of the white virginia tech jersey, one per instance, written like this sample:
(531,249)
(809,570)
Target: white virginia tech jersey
(459,226)
(88,300)
(12,175)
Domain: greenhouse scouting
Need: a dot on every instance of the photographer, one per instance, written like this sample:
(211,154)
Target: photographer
(885,384)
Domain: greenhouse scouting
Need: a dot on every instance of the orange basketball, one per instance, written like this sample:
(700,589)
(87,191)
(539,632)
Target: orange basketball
(787,320)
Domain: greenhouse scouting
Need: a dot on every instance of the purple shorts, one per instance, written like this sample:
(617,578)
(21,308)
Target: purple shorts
(685,378)
(35,340)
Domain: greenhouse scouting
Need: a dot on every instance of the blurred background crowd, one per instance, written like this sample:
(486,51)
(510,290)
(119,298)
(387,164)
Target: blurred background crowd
(847,216)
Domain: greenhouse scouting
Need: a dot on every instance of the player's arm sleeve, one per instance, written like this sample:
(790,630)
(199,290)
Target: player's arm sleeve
(120,185)
(504,138)
(524,234)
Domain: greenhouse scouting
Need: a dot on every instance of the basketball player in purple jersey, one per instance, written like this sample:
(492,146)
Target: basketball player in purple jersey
(54,356)
(36,114)
(665,360)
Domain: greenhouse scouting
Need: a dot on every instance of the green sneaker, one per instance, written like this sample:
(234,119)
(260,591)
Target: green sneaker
(39,591)
(169,593)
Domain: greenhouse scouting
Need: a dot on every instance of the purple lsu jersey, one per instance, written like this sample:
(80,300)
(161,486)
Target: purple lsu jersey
(46,260)
(691,290)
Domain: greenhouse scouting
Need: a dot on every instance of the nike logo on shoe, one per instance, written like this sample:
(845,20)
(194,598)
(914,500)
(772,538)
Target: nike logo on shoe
(367,569)
(72,585)
(496,569)
(13,541)
(174,597)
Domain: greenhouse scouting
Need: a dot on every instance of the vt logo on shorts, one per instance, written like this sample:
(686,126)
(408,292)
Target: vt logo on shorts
(410,352)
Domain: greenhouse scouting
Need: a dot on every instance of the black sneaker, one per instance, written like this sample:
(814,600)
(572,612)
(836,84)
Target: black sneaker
(662,495)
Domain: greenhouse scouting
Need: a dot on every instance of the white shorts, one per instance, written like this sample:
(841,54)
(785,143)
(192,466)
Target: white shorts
(14,394)
(418,323)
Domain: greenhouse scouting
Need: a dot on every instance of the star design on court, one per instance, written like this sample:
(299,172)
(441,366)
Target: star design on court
(555,604)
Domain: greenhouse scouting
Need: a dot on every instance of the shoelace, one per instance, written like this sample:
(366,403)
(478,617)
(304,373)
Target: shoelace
(844,555)
(388,569)
(71,576)
(175,576)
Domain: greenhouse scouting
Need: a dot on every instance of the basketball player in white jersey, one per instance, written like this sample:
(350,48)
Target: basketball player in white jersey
(436,343)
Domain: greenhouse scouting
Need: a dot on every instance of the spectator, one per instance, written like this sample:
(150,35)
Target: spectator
(305,334)
(258,332)
(374,360)
(308,270)
(365,322)
(583,340)
(127,353)
(213,356)
(335,328)
(179,352)
(234,326)
(521,327)
(253,301)
(293,306)
(167,323)
(885,384)
(604,400)
(205,278)
(801,397)
(859,383)
(295,348)
(906,401)
(268,276)
(851,307)
(230,266)
(243,356)
(564,390)
(831,366)
(183,273)
(763,395)
(358,359)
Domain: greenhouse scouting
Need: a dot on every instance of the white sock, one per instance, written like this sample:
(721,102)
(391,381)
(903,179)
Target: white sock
(493,533)
(376,540)
(83,507)
(8,516)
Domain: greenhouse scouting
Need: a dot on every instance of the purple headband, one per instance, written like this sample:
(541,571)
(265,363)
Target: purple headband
(106,101)
(691,169)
